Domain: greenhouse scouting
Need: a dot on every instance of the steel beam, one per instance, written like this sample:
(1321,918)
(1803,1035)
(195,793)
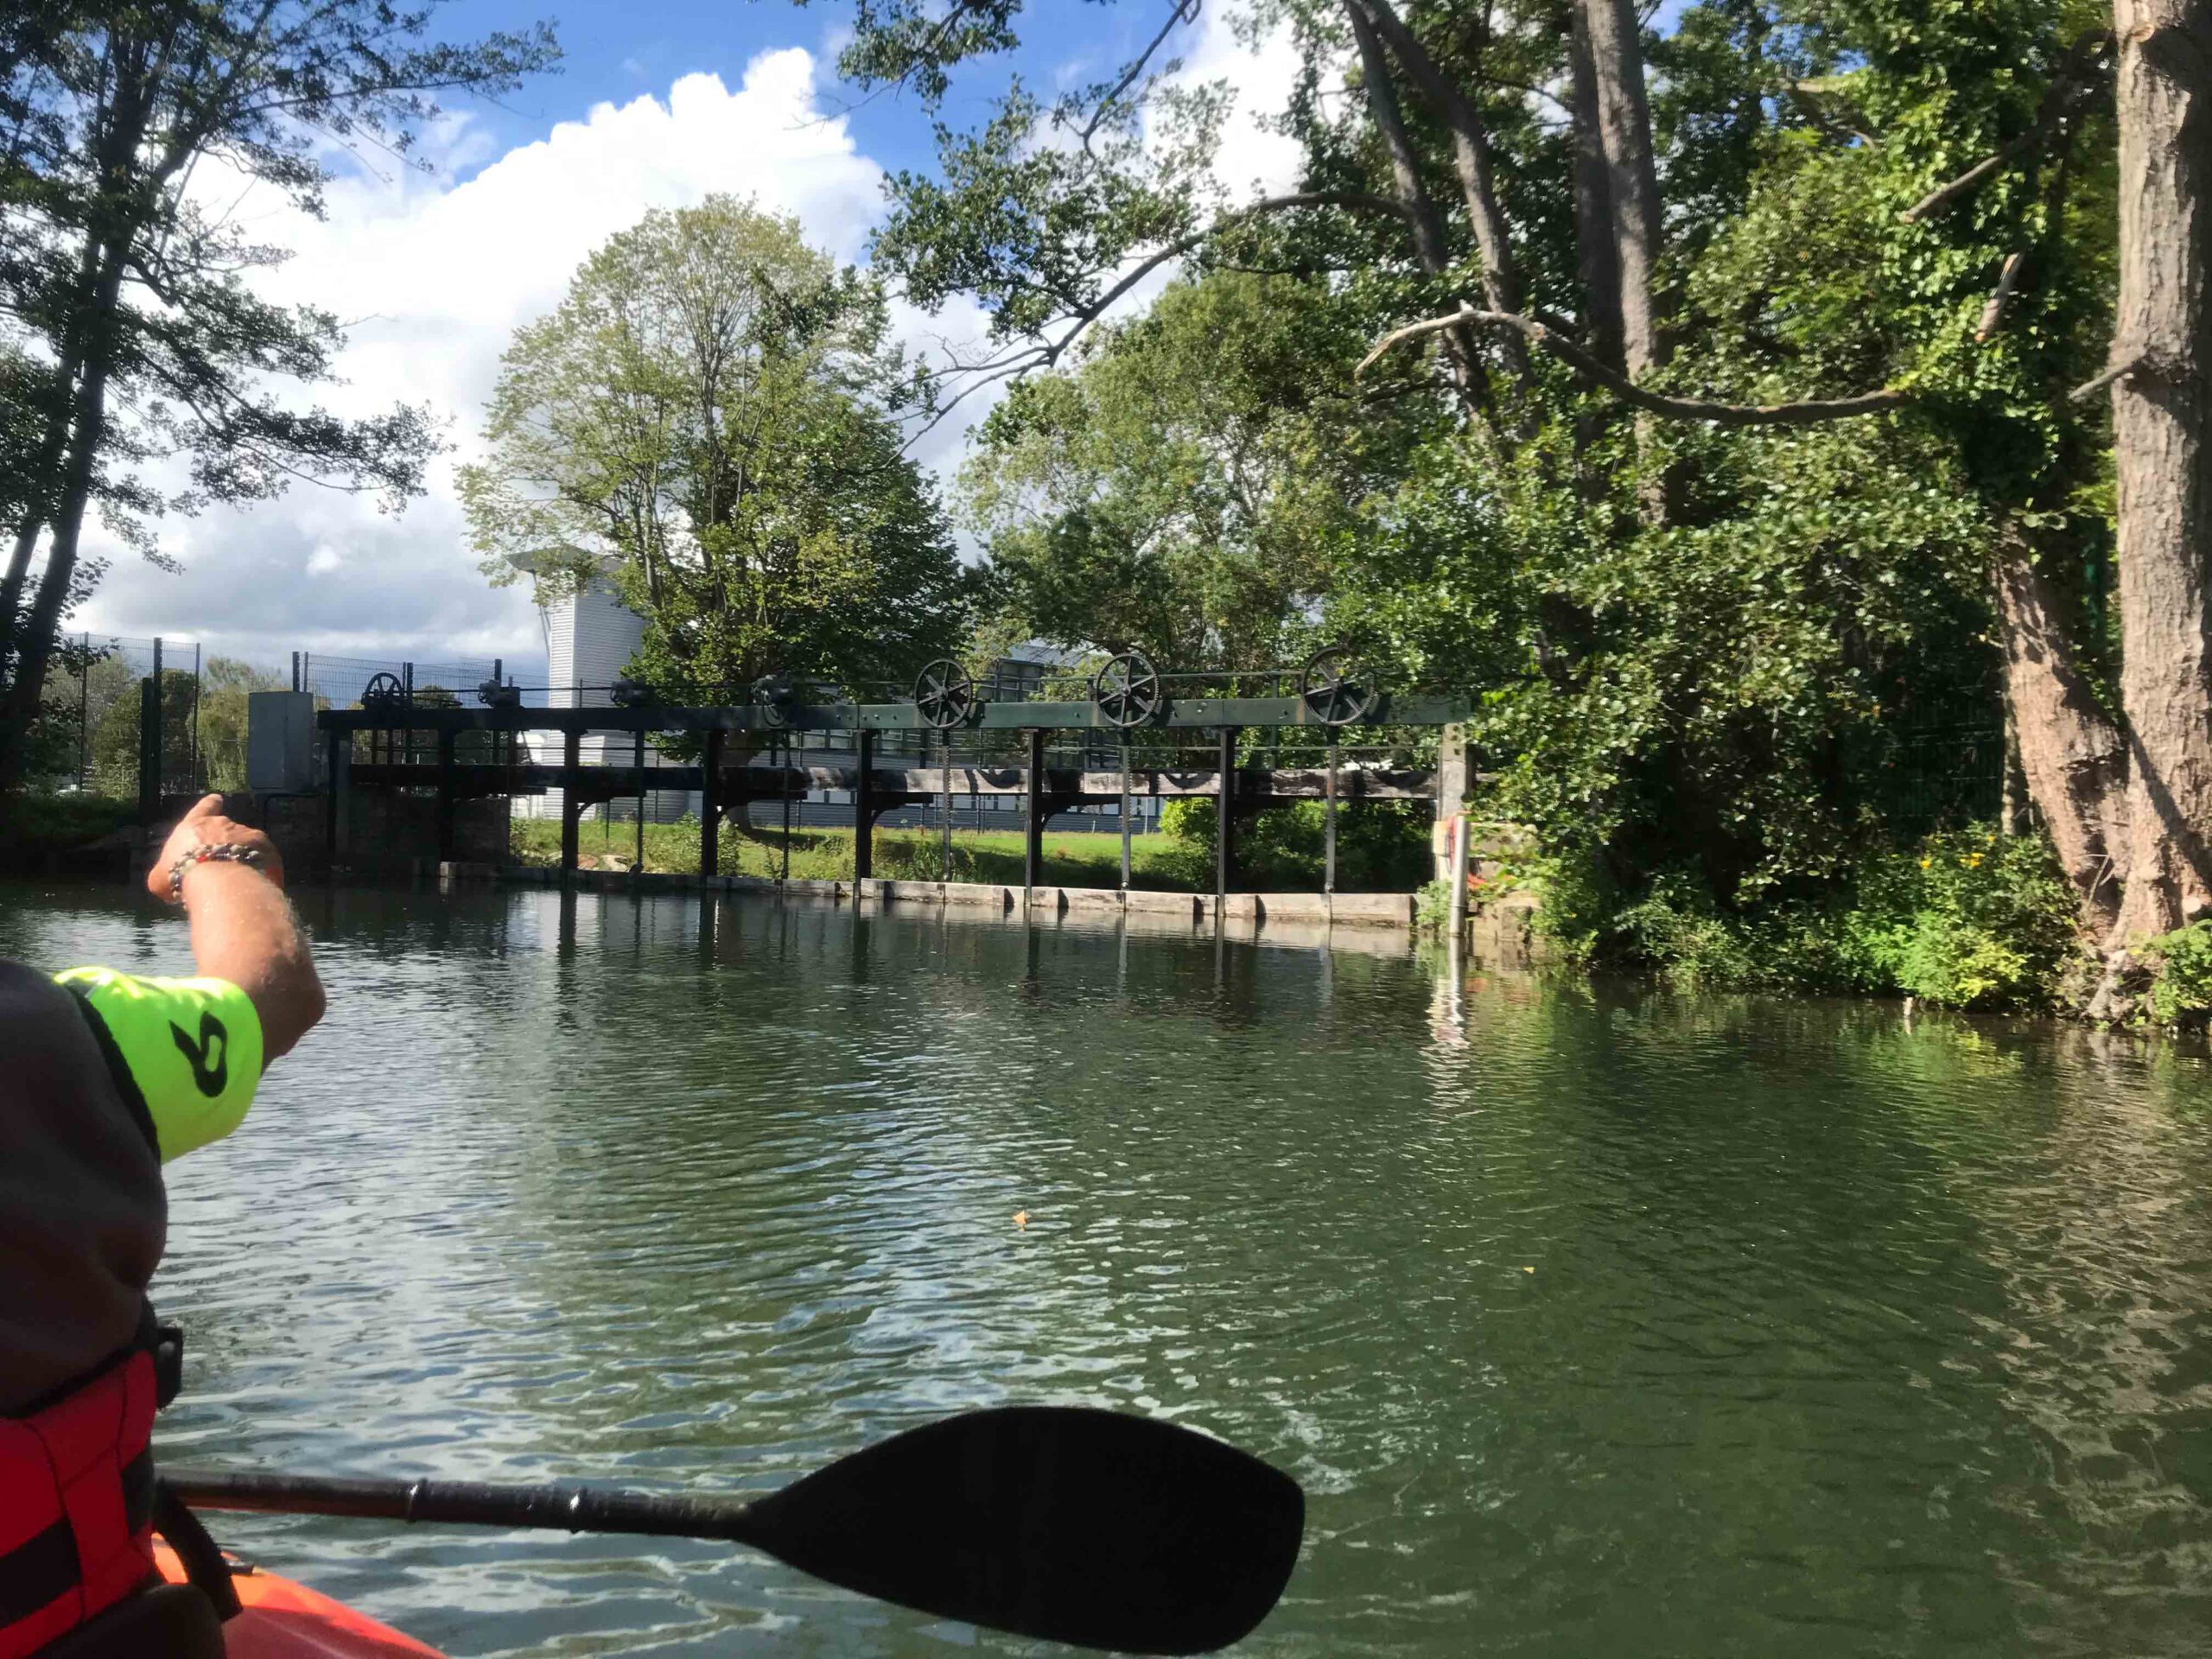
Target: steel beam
(1032,786)
(864,809)
(1225,834)
(1180,713)
(572,777)
(710,805)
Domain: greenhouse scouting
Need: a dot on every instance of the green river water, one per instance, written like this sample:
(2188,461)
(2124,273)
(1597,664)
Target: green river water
(1593,1321)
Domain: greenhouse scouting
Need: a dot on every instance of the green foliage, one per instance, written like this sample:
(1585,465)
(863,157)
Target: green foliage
(1965,918)
(1969,919)
(1189,487)
(225,685)
(2181,993)
(115,739)
(710,413)
(1380,846)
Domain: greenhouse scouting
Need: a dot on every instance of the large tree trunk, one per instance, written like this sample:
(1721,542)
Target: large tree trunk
(1470,157)
(88,423)
(2074,756)
(2162,93)
(1597,259)
(1429,246)
(1613,39)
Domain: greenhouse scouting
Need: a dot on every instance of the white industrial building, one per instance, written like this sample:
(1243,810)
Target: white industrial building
(590,637)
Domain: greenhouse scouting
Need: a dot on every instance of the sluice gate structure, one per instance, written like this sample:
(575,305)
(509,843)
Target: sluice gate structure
(754,750)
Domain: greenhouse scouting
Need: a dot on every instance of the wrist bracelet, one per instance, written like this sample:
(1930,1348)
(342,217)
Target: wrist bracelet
(226,852)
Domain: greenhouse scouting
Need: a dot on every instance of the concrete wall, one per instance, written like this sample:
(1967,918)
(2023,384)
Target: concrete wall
(385,833)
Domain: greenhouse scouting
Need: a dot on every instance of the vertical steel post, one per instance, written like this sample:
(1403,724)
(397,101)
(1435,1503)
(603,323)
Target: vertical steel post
(1125,815)
(572,746)
(1032,850)
(446,803)
(296,670)
(944,860)
(1224,840)
(199,776)
(155,726)
(784,872)
(333,785)
(150,749)
(1329,825)
(710,804)
(639,756)
(85,715)
(864,809)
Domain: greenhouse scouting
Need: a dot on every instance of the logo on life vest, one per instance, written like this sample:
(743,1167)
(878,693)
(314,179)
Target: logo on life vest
(212,1039)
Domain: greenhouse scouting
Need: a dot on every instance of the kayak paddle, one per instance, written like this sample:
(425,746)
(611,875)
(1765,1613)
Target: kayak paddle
(1080,1526)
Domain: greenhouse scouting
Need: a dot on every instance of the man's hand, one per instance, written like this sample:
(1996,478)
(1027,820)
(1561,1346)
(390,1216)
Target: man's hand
(243,930)
(206,826)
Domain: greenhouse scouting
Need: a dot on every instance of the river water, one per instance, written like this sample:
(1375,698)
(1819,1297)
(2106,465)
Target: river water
(1592,1321)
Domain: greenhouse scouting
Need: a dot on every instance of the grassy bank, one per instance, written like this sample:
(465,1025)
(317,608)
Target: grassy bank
(1379,850)
(1072,859)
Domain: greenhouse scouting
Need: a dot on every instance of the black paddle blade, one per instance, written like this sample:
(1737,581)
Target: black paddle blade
(1078,1526)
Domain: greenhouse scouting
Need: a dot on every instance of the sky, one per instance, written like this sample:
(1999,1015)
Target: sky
(660,102)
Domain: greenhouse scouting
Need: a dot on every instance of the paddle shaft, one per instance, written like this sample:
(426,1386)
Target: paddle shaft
(470,1502)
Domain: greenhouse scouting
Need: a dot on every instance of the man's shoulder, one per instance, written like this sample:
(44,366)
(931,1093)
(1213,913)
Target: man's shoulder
(36,1012)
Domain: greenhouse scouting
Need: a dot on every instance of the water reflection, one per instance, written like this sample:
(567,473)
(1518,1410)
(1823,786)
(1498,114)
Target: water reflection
(1593,1320)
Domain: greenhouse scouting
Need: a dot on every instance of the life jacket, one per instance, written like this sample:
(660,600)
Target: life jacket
(76,1494)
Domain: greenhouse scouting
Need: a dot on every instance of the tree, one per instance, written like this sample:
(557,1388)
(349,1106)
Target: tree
(1818,300)
(1185,489)
(226,684)
(712,408)
(115,738)
(136,304)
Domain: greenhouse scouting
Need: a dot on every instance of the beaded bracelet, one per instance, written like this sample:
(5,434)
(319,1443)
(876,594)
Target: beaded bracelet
(226,852)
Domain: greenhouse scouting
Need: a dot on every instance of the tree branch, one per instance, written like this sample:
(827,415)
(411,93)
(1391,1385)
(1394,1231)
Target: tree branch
(2117,372)
(2057,105)
(1359,201)
(1805,412)
(1182,12)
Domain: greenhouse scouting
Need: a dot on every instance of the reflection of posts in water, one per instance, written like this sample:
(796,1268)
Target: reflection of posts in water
(1447,1002)
(708,912)
(863,926)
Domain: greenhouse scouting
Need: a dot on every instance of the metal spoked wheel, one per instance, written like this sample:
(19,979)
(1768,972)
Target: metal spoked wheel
(943,694)
(383,691)
(775,695)
(1337,687)
(1127,691)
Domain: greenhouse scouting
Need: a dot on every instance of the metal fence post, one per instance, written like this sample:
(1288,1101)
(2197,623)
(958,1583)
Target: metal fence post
(84,714)
(150,749)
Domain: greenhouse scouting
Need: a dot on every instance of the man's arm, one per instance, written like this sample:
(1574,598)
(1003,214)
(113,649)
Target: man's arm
(242,929)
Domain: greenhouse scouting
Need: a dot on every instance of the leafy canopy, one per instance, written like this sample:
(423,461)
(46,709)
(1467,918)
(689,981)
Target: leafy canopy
(710,415)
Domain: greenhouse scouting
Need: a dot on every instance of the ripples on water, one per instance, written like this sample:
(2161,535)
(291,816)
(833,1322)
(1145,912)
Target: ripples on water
(1593,1322)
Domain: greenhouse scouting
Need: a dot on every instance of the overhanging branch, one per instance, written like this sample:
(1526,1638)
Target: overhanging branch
(2058,104)
(1804,412)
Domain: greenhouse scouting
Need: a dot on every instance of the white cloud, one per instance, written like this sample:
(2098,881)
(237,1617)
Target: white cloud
(432,274)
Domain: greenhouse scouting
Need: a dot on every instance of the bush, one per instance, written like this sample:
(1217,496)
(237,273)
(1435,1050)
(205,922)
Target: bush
(2181,994)
(1380,846)
(1968,919)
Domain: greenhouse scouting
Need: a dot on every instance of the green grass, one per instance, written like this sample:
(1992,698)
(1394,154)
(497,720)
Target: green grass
(1074,859)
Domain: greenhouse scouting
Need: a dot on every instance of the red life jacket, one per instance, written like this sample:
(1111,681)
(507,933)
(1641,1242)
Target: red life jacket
(76,1501)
